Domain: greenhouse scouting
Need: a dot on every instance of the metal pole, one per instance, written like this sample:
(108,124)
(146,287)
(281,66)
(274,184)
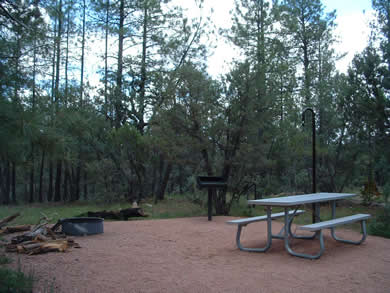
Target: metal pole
(210,203)
(314,151)
(314,184)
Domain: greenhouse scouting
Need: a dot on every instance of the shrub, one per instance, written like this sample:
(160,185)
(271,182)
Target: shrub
(15,281)
(380,226)
(369,192)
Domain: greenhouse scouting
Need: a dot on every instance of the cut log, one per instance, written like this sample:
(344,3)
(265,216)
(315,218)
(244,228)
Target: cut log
(14,229)
(37,247)
(10,247)
(51,233)
(25,248)
(41,238)
(50,246)
(8,219)
(118,215)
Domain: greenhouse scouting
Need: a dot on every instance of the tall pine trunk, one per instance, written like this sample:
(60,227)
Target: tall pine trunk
(32,176)
(106,61)
(13,182)
(50,188)
(7,186)
(57,185)
(119,73)
(40,195)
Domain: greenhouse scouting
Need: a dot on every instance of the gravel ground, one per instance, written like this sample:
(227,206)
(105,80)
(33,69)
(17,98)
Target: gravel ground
(195,255)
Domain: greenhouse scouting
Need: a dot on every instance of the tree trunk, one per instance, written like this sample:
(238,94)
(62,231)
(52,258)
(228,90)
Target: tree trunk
(58,54)
(77,181)
(32,175)
(119,74)
(66,181)
(13,182)
(82,57)
(164,182)
(40,195)
(85,185)
(57,191)
(141,123)
(66,94)
(7,183)
(106,60)
(154,180)
(50,189)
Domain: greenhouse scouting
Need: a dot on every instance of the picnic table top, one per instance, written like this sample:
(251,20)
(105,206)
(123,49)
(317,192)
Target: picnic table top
(294,200)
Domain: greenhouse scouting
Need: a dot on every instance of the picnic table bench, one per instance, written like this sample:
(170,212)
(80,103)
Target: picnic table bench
(331,224)
(245,221)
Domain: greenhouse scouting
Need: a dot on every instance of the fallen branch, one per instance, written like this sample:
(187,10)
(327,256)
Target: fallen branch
(118,215)
(8,219)
(14,229)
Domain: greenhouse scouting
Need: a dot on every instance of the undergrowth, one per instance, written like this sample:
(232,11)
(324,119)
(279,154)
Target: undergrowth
(14,281)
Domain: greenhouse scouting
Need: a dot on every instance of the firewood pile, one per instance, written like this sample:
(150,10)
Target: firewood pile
(40,238)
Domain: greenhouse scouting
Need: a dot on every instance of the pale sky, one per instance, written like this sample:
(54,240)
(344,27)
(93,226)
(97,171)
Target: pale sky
(353,31)
(353,17)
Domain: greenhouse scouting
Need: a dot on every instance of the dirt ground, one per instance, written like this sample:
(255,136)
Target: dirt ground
(195,255)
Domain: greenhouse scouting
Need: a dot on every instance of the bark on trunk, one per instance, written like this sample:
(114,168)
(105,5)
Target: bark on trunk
(57,194)
(50,190)
(40,196)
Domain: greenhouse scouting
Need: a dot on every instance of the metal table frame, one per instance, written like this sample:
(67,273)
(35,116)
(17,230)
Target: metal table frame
(295,201)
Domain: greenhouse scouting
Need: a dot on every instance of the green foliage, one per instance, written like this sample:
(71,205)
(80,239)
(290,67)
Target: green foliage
(380,226)
(369,192)
(158,118)
(15,281)
(4,259)
(386,191)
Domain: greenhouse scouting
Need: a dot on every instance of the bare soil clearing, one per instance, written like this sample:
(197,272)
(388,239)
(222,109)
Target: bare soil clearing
(195,255)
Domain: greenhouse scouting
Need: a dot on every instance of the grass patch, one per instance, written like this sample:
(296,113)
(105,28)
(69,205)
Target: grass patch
(380,226)
(31,213)
(14,281)
(4,259)
(173,206)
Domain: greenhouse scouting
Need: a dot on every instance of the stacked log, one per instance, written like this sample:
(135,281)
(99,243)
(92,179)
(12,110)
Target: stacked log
(39,239)
(38,246)
(15,229)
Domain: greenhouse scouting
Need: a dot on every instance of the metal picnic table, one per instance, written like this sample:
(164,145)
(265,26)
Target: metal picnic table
(294,202)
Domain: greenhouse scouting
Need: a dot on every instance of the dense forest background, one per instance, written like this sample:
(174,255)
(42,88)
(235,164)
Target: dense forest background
(157,119)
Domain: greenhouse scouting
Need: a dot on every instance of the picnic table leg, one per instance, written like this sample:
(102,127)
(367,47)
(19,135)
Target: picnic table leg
(289,249)
(269,236)
(362,225)
(293,235)
(280,235)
